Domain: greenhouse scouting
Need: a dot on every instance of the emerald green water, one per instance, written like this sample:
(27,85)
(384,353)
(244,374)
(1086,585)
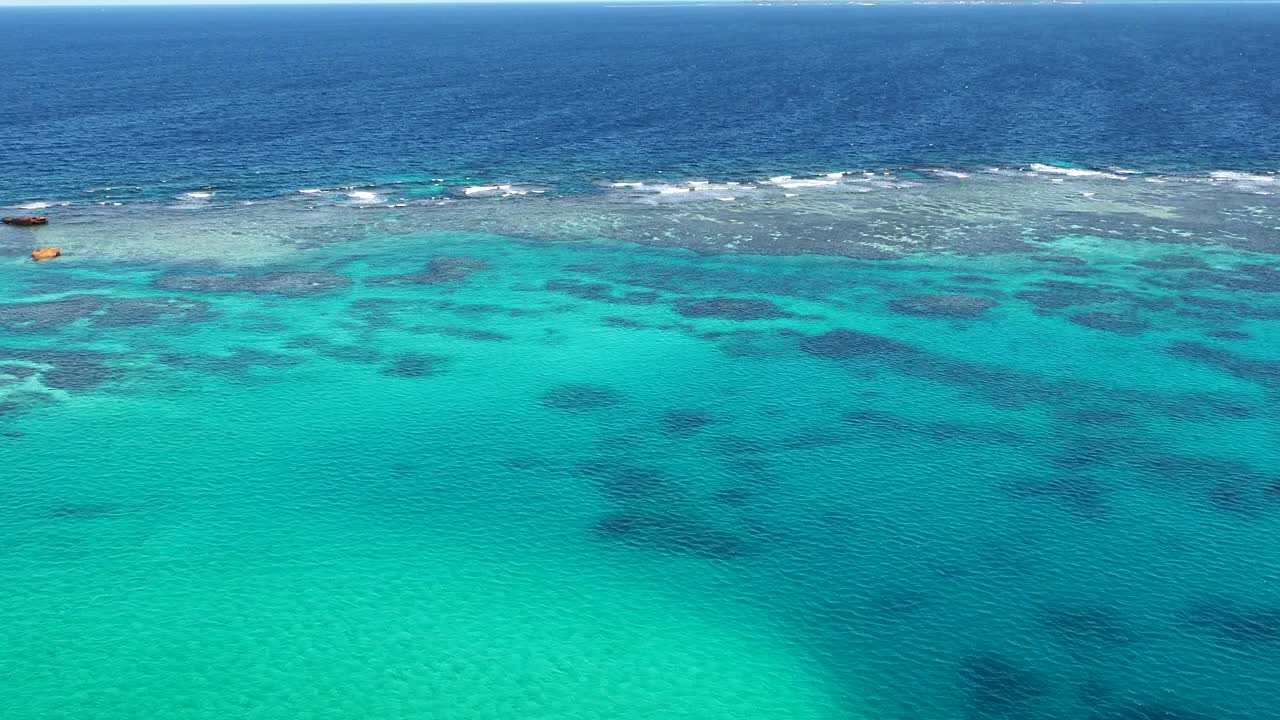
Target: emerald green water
(543,483)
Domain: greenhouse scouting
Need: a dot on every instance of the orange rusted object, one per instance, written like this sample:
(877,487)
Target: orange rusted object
(45,254)
(26,220)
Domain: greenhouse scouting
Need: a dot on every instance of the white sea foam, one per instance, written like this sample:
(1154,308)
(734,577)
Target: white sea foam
(950,174)
(502,190)
(34,206)
(1242,177)
(1070,172)
(311,191)
(796,183)
(364,195)
(198,195)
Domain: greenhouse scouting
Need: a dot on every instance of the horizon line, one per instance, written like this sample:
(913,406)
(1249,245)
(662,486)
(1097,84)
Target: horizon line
(46,5)
(306,3)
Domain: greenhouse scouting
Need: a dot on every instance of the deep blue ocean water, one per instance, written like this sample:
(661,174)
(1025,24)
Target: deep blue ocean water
(255,99)
(758,363)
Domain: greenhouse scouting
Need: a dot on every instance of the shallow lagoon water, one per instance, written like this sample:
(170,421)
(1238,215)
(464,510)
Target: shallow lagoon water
(467,475)
(831,362)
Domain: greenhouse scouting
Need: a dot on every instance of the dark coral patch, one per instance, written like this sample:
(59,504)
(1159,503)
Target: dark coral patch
(942,305)
(1250,276)
(1086,626)
(1192,471)
(438,270)
(352,353)
(1098,416)
(464,333)
(1236,622)
(670,533)
(1114,322)
(1265,372)
(843,343)
(139,312)
(78,375)
(741,309)
(72,369)
(1060,259)
(1049,295)
(1202,406)
(600,292)
(972,279)
(1228,335)
(1238,498)
(100,311)
(289,284)
(415,365)
(995,686)
(1077,494)
(1234,308)
(685,422)
(1084,455)
(879,420)
(581,397)
(47,315)
(1174,262)
(629,483)
(615,321)
(734,496)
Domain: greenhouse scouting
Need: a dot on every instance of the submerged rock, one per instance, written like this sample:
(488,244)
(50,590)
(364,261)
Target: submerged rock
(26,220)
(47,253)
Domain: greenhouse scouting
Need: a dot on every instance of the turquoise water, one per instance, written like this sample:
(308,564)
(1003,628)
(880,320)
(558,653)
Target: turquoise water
(403,473)
(469,362)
